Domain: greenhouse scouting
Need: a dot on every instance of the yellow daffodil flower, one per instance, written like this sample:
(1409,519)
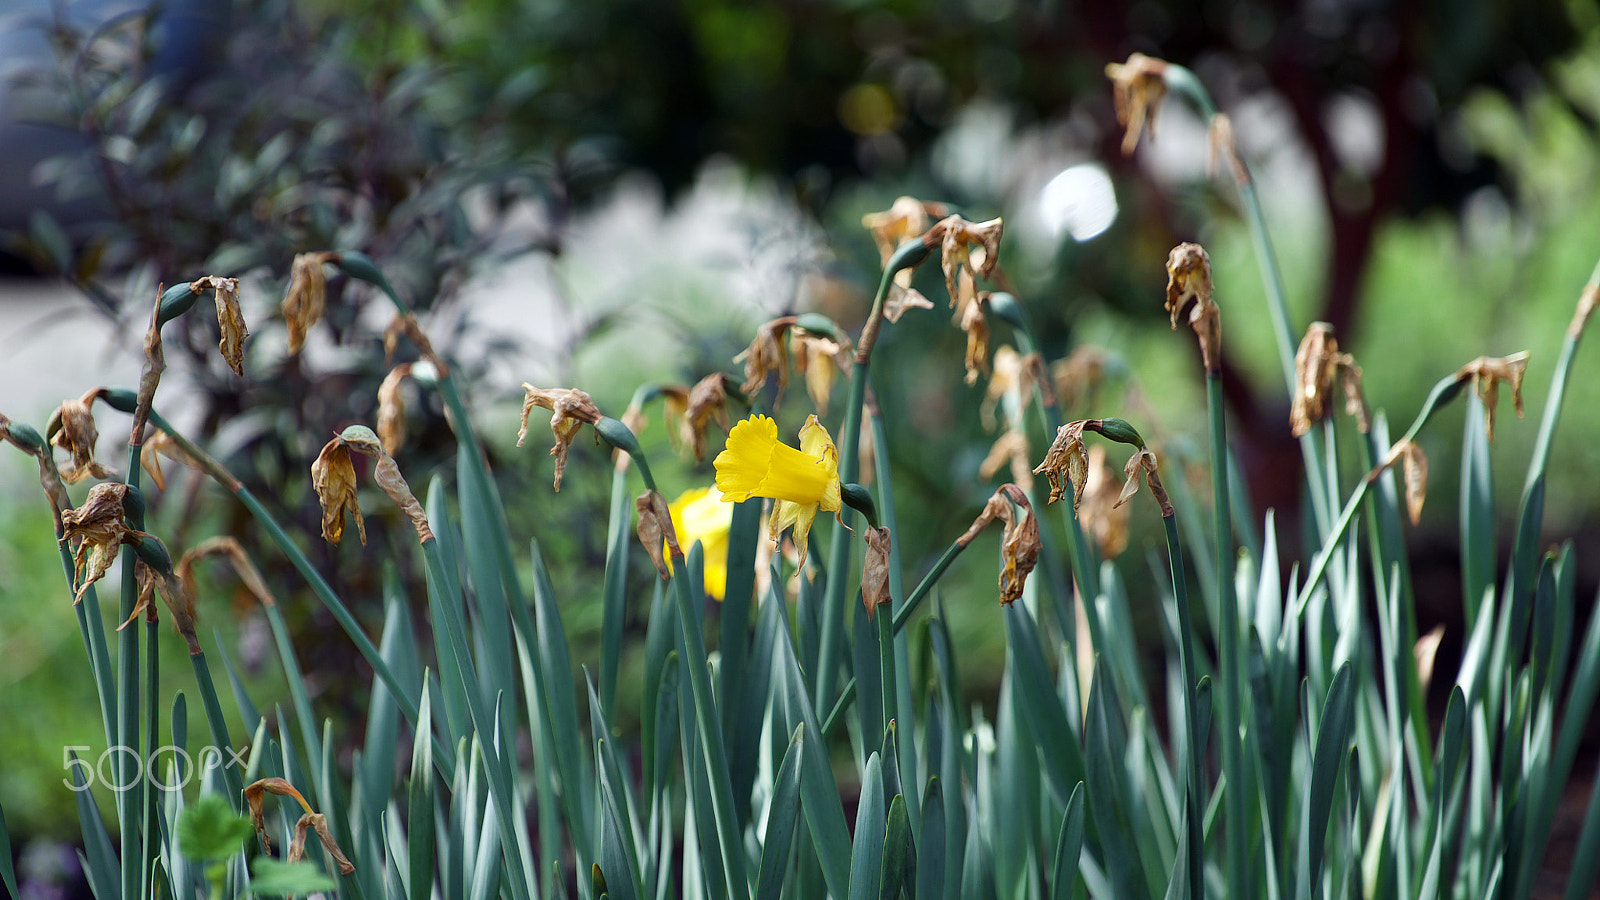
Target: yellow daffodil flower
(757,464)
(700,515)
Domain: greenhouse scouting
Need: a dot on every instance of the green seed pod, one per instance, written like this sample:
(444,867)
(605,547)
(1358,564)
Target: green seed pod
(27,436)
(908,256)
(860,499)
(618,435)
(817,323)
(154,553)
(1006,307)
(120,399)
(133,510)
(1121,432)
(175,301)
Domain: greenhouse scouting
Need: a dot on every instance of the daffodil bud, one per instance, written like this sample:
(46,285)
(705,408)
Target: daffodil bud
(617,435)
(153,553)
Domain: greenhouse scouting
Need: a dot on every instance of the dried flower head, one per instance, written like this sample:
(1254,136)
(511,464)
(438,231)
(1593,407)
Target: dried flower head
(1102,516)
(100,530)
(1078,376)
(705,403)
(155,363)
(906,219)
(569,410)
(158,443)
(386,475)
(72,429)
(819,359)
(1318,364)
(392,409)
(407,325)
(875,570)
(230,321)
(1019,546)
(255,796)
(319,823)
(974,323)
(177,594)
(333,477)
(1010,449)
(1066,456)
(655,530)
(1221,147)
(1488,373)
(1416,474)
(307,297)
(971,247)
(1189,279)
(1142,467)
(230,549)
(767,355)
(1137,87)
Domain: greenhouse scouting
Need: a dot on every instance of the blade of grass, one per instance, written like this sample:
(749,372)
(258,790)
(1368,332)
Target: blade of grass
(930,882)
(1069,845)
(783,813)
(866,860)
(1333,741)
(899,852)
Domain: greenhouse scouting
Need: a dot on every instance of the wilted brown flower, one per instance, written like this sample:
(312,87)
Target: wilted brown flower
(1189,278)
(1010,371)
(155,363)
(255,796)
(1011,448)
(100,530)
(307,296)
(1221,146)
(655,529)
(1137,87)
(392,409)
(319,823)
(1066,455)
(906,219)
(902,296)
(972,247)
(386,475)
(875,570)
(1019,547)
(1142,467)
(1103,517)
(1487,373)
(1079,375)
(569,410)
(158,443)
(766,356)
(177,594)
(1317,365)
(333,476)
(230,321)
(706,402)
(230,549)
(819,359)
(976,326)
(74,431)
(1416,475)
(408,326)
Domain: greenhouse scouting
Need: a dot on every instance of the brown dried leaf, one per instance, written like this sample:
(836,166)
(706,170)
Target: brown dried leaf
(1066,456)
(655,529)
(569,409)
(1137,87)
(333,476)
(254,800)
(319,823)
(875,570)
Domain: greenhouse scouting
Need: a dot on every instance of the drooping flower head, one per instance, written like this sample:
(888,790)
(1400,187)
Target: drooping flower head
(801,481)
(569,410)
(1488,373)
(1137,87)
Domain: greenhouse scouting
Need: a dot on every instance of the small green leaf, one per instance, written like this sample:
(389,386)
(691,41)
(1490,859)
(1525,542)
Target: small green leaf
(211,830)
(272,878)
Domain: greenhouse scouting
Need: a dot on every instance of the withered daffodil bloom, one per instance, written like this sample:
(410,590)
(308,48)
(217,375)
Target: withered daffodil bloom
(757,464)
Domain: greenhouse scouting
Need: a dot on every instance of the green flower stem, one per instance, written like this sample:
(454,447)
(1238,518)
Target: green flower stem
(151,831)
(1234,708)
(839,545)
(1443,392)
(1182,81)
(443,754)
(1193,751)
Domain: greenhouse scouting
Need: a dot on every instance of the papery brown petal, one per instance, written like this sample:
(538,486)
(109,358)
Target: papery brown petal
(230,549)
(319,823)
(155,363)
(1100,515)
(100,529)
(392,409)
(386,475)
(307,296)
(333,476)
(1077,377)
(1313,376)
(707,402)
(902,296)
(255,797)
(1137,87)
(875,570)
(655,529)
(976,326)
(1425,652)
(1020,545)
(569,409)
(1066,455)
(230,320)
(1221,146)
(767,355)
(1416,475)
(78,436)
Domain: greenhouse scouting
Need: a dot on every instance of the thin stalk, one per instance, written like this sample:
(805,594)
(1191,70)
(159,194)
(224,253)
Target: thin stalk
(129,789)
(839,546)
(1193,752)
(152,835)
(1233,694)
